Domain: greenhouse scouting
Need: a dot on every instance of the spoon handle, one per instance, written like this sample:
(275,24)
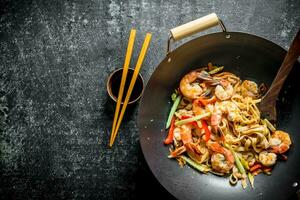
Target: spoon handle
(284,70)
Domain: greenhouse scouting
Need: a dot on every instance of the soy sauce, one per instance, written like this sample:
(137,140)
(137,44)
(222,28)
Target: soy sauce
(116,81)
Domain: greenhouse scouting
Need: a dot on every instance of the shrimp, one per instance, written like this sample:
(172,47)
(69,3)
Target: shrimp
(222,159)
(216,118)
(267,159)
(183,133)
(177,152)
(224,107)
(280,142)
(177,134)
(199,153)
(224,91)
(249,88)
(197,109)
(187,86)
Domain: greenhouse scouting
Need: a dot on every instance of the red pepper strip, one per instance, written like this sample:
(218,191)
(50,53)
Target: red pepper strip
(204,126)
(222,137)
(207,131)
(267,169)
(194,123)
(205,101)
(256,172)
(169,139)
(255,167)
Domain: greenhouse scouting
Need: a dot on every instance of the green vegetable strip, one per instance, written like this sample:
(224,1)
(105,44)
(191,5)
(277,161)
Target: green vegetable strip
(172,111)
(237,160)
(251,179)
(214,71)
(197,117)
(201,168)
(244,163)
(269,125)
(244,183)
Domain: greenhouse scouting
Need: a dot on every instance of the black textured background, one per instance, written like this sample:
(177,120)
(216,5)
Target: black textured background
(55,57)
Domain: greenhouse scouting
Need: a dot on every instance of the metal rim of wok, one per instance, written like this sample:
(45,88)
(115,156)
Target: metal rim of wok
(250,57)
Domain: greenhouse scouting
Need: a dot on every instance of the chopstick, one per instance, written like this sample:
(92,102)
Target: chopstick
(123,79)
(132,82)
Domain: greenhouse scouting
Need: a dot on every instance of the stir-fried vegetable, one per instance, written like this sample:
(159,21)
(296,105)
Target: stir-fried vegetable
(255,167)
(244,183)
(169,139)
(251,179)
(237,160)
(200,167)
(174,96)
(244,162)
(269,125)
(216,70)
(194,123)
(172,111)
(197,117)
(207,131)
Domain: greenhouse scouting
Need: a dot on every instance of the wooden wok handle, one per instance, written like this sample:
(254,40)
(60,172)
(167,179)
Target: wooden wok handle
(196,26)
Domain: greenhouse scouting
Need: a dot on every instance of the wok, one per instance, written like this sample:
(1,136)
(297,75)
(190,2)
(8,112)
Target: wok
(248,56)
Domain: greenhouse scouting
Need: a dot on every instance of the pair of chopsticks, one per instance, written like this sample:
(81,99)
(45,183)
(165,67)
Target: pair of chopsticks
(118,119)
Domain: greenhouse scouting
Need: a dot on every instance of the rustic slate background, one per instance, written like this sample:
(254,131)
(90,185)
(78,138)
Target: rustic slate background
(55,57)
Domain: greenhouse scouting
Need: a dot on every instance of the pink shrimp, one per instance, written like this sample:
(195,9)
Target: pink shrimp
(280,142)
(224,91)
(188,87)
(222,159)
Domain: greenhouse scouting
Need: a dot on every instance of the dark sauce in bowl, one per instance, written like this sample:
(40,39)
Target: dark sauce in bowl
(114,81)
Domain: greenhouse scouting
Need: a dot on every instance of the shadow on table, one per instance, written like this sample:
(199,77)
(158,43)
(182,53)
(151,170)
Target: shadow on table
(110,106)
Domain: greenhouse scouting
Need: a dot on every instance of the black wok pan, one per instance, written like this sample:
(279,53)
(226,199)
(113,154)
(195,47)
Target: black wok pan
(250,57)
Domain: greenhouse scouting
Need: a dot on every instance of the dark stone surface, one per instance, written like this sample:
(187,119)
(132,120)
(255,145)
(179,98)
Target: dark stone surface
(55,57)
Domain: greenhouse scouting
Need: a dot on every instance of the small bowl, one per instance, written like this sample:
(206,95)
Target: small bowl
(113,85)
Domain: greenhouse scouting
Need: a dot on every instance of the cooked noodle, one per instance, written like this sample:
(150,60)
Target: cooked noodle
(228,136)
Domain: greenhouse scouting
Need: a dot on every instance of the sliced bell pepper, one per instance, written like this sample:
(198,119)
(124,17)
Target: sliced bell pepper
(207,131)
(255,167)
(267,169)
(169,139)
(204,127)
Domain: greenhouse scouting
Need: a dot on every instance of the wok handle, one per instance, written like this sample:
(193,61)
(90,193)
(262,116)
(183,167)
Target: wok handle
(193,27)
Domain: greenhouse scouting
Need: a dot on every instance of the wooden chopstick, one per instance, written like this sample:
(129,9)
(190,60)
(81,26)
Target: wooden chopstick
(123,79)
(132,82)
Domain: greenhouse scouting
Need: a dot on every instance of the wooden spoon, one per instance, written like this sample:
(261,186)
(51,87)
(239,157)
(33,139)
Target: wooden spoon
(268,103)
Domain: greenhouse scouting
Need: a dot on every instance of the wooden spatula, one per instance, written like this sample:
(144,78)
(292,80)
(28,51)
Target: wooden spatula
(268,103)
